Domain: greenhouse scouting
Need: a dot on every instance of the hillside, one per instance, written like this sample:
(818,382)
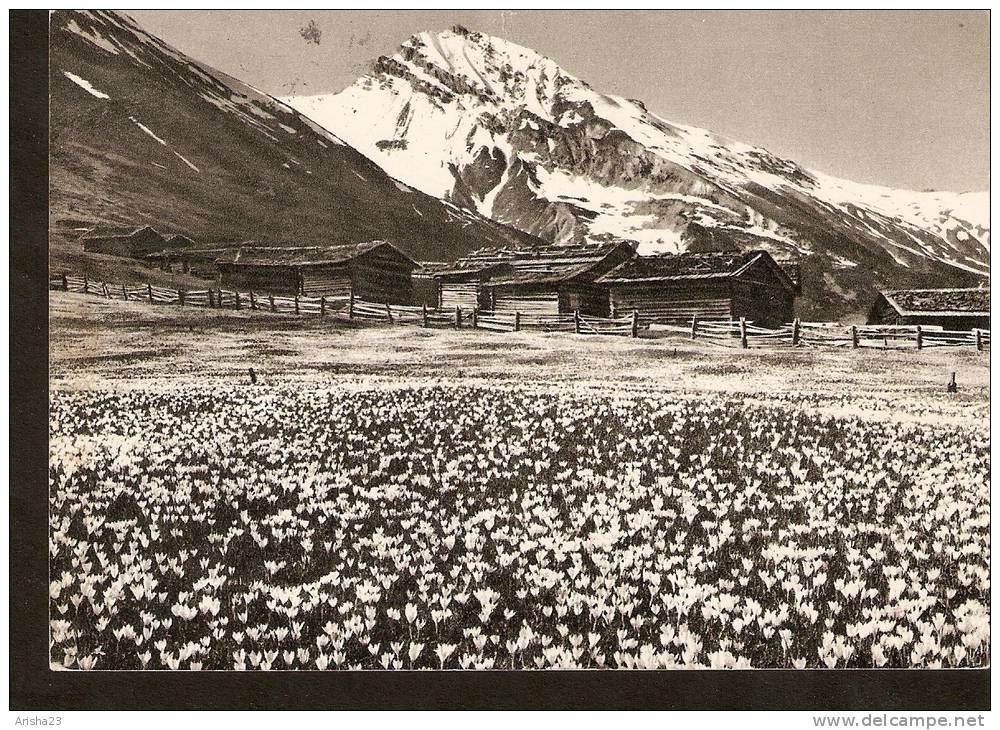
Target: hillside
(498,128)
(142,134)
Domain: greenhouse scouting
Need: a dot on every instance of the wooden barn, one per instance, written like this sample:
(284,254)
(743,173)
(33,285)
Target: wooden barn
(674,288)
(375,271)
(171,256)
(136,243)
(547,280)
(425,286)
(950,309)
(198,261)
(179,241)
(463,284)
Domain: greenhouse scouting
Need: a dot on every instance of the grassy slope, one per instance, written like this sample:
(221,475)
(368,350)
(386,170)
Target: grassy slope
(99,343)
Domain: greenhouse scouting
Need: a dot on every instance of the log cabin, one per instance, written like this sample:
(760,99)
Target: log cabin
(425,285)
(180,241)
(949,309)
(375,271)
(170,256)
(463,284)
(550,280)
(198,260)
(135,243)
(674,288)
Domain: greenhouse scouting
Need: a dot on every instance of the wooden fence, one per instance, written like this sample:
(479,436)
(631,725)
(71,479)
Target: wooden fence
(746,335)
(739,334)
(354,308)
(214,298)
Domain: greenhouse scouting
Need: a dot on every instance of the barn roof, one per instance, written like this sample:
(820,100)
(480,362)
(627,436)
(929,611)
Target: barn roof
(179,240)
(552,264)
(681,266)
(111,233)
(303,255)
(549,275)
(534,264)
(203,250)
(431,268)
(940,302)
(479,262)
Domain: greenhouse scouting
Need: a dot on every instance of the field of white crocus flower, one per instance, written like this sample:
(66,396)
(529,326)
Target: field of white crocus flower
(653,514)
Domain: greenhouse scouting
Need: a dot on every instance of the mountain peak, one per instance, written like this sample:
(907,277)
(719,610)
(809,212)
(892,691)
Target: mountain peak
(463,62)
(498,128)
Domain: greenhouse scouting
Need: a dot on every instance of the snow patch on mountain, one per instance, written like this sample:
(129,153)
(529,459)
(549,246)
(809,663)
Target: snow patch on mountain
(92,36)
(148,131)
(499,128)
(186,161)
(85,85)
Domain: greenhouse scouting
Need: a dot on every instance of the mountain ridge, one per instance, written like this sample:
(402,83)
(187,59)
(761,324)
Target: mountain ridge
(142,134)
(497,128)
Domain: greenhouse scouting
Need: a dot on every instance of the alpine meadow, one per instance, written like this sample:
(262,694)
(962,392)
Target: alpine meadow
(470,365)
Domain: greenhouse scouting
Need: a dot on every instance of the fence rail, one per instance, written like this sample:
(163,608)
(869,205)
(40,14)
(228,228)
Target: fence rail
(743,334)
(725,333)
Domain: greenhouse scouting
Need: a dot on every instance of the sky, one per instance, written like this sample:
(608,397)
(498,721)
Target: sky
(896,98)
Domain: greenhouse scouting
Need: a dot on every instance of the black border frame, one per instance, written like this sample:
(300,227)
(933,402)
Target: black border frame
(33,686)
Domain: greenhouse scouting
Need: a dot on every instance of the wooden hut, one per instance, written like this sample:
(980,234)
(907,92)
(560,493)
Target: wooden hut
(548,280)
(424,284)
(135,243)
(463,284)
(374,271)
(179,241)
(674,288)
(950,309)
(170,257)
(198,259)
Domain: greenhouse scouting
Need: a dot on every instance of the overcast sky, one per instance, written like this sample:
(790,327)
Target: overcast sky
(894,98)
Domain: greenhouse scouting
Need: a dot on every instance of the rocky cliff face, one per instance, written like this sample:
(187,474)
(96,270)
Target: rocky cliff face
(498,129)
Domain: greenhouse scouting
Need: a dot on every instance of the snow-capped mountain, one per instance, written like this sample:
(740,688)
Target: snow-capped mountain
(499,129)
(142,134)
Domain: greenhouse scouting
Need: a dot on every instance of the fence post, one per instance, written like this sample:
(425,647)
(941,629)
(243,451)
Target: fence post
(635,322)
(350,310)
(65,283)
(517,321)
(743,332)
(423,319)
(795,331)
(125,292)
(211,298)
(86,286)
(920,338)
(253,303)
(296,303)
(694,326)
(458,318)
(271,298)
(180,297)
(475,317)
(576,321)
(237,300)
(388,312)
(107,294)
(322,306)
(149,290)
(979,340)
(854,337)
